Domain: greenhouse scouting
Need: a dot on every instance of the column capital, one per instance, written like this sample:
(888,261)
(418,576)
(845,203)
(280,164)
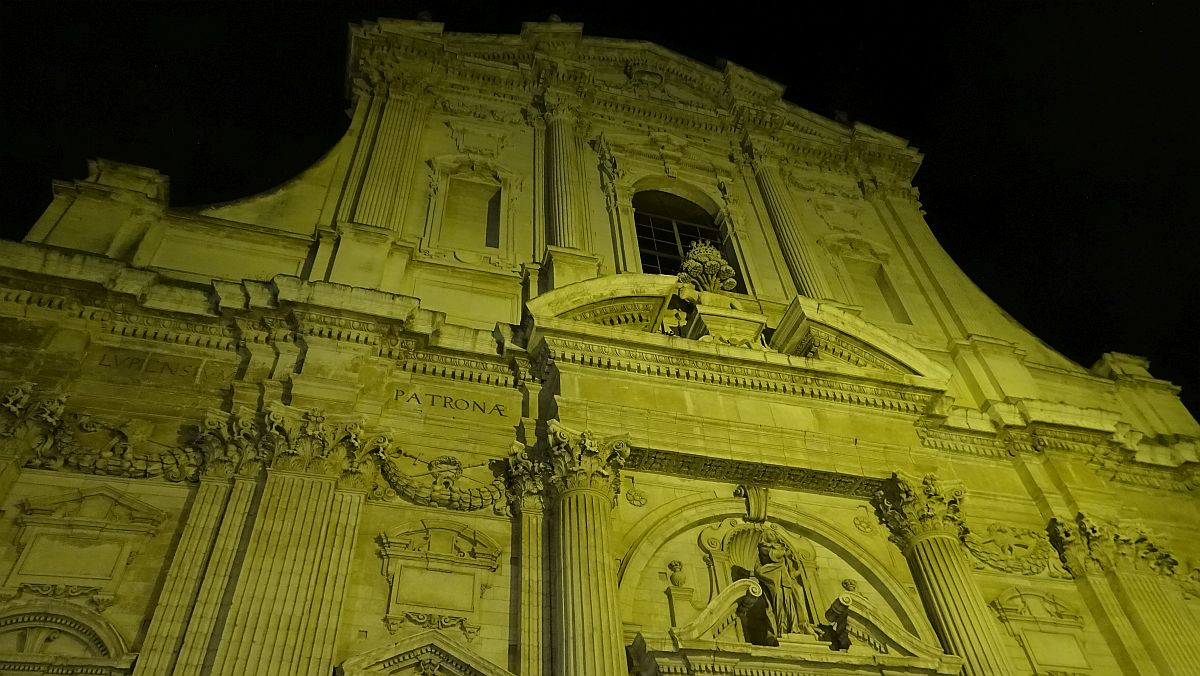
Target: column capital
(762,152)
(524,479)
(914,508)
(1088,545)
(581,460)
(556,107)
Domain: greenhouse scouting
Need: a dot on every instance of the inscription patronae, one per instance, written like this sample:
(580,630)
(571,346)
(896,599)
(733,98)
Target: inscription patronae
(447,401)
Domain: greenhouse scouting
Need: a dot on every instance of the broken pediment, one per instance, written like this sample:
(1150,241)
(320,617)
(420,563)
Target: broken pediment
(424,654)
(822,331)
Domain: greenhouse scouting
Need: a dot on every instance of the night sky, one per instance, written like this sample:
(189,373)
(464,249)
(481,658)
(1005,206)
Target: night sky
(1061,167)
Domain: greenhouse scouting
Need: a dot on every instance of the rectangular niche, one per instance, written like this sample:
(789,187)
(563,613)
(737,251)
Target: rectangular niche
(472,216)
(875,291)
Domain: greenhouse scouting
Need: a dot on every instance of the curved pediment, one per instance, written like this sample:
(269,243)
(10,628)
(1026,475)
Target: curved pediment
(631,301)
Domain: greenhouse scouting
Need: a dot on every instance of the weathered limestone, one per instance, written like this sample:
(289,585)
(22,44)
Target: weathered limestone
(288,593)
(584,475)
(318,429)
(924,521)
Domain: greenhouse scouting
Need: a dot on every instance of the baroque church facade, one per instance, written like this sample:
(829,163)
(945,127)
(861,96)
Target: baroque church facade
(573,357)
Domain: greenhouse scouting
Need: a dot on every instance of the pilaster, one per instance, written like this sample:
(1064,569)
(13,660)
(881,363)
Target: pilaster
(924,520)
(178,601)
(525,493)
(797,253)
(384,175)
(1132,583)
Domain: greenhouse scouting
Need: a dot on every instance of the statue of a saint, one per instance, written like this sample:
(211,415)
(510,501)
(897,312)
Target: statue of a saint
(779,573)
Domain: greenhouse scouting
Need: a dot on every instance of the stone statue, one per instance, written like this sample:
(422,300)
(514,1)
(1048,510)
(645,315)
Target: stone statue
(778,571)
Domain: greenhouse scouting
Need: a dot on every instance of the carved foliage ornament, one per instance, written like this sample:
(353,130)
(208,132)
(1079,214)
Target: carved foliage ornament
(581,460)
(1090,546)
(912,509)
(705,268)
(42,435)
(1014,550)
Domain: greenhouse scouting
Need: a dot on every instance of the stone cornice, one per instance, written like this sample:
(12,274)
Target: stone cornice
(705,363)
(628,83)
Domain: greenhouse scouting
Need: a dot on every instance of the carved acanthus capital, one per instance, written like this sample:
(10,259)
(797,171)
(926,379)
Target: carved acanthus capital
(28,427)
(581,460)
(762,153)
(1087,545)
(912,509)
(381,67)
(525,478)
(556,107)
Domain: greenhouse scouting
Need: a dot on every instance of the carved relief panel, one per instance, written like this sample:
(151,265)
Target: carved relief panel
(76,546)
(1047,629)
(437,571)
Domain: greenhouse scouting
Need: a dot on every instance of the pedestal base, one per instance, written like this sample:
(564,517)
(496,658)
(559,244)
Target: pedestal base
(567,266)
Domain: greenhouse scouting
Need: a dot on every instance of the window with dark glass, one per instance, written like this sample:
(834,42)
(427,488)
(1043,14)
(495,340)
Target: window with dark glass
(667,225)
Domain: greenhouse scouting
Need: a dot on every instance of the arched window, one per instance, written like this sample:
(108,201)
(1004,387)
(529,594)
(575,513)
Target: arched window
(667,225)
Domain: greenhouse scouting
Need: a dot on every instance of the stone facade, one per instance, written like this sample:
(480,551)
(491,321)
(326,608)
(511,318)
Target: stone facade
(423,410)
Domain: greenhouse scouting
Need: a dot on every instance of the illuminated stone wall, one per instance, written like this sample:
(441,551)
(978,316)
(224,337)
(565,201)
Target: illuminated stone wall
(421,411)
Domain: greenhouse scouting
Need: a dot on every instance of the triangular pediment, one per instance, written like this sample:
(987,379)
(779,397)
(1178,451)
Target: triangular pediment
(424,653)
(100,504)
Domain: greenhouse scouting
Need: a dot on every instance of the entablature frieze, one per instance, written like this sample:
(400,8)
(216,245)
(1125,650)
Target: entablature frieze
(39,432)
(657,461)
(228,316)
(788,376)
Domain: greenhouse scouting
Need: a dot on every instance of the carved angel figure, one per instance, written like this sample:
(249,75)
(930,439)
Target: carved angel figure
(778,571)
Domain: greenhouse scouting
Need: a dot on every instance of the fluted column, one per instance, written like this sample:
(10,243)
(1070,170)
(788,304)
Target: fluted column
(923,517)
(584,475)
(525,493)
(288,597)
(800,260)
(1132,584)
(563,214)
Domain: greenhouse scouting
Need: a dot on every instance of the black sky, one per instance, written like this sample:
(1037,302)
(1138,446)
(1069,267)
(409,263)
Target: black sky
(1060,137)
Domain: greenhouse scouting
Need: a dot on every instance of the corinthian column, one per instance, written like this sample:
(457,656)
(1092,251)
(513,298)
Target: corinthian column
(800,261)
(924,521)
(584,475)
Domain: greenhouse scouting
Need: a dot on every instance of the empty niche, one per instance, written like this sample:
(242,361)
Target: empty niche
(472,216)
(875,291)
